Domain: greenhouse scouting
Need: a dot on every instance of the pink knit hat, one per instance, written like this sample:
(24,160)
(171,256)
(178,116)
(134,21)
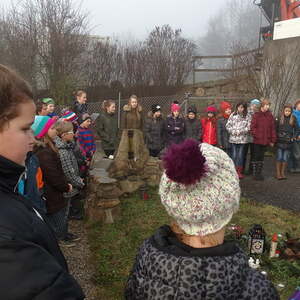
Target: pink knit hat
(175,107)
(211,109)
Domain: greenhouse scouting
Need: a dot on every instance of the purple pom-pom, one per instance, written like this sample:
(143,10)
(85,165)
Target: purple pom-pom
(184,163)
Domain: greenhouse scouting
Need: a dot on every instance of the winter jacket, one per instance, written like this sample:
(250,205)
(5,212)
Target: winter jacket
(107,129)
(54,178)
(222,133)
(132,118)
(154,133)
(285,133)
(80,109)
(209,131)
(86,142)
(30,186)
(175,130)
(296,113)
(193,129)
(69,165)
(263,128)
(32,264)
(238,128)
(165,268)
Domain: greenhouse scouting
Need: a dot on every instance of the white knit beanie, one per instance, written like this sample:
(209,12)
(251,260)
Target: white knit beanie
(199,188)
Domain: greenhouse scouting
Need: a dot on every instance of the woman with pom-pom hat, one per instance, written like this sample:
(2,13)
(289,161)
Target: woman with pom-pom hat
(191,259)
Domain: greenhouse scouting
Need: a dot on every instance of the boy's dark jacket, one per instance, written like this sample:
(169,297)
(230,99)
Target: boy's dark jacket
(31,263)
(167,269)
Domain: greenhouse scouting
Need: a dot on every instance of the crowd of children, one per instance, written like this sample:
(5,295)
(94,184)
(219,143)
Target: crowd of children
(249,127)
(44,162)
(63,149)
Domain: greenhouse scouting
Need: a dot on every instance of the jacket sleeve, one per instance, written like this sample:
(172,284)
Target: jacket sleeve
(147,129)
(51,174)
(69,170)
(200,130)
(253,126)
(273,131)
(32,273)
(220,133)
(230,125)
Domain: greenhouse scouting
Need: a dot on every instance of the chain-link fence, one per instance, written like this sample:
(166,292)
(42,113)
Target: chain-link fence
(165,102)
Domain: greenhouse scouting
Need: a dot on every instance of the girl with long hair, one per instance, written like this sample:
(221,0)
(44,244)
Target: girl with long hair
(286,129)
(107,128)
(238,126)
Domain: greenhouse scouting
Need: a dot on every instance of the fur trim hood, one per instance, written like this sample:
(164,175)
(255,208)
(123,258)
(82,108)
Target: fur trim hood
(127,108)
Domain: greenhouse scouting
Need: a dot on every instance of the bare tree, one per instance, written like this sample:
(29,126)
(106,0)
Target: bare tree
(169,55)
(273,73)
(45,41)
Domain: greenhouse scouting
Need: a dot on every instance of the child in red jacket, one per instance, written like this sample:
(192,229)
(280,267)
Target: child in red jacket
(209,126)
(264,134)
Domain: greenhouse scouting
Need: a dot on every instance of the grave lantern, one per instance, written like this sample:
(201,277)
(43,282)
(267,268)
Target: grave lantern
(256,240)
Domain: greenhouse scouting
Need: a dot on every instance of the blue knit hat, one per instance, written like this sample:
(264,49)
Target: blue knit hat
(255,101)
(41,125)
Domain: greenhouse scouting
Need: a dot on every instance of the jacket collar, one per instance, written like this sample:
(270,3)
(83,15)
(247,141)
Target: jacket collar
(165,240)
(10,174)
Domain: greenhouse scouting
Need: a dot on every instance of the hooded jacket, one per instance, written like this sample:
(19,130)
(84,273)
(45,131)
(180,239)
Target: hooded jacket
(209,130)
(107,129)
(263,128)
(165,268)
(31,264)
(132,118)
(154,132)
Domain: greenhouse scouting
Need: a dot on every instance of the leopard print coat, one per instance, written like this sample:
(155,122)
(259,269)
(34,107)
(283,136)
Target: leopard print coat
(166,269)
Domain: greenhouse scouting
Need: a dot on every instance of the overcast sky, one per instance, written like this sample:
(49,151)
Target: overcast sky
(138,17)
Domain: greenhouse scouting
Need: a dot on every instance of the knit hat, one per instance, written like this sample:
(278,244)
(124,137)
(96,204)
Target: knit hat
(192,109)
(47,101)
(83,118)
(175,106)
(211,109)
(69,116)
(200,187)
(155,108)
(255,101)
(41,125)
(224,105)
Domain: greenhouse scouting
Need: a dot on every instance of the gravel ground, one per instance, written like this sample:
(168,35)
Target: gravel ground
(78,260)
(282,193)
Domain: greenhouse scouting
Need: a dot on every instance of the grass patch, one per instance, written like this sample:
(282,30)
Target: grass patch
(114,246)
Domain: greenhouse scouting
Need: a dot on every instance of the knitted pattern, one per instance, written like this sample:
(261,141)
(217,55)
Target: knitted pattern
(86,141)
(69,116)
(208,205)
(41,125)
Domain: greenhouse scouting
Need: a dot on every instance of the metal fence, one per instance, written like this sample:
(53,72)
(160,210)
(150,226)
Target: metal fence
(165,103)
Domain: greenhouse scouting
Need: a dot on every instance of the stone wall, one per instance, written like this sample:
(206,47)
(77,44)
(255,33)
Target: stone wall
(103,201)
